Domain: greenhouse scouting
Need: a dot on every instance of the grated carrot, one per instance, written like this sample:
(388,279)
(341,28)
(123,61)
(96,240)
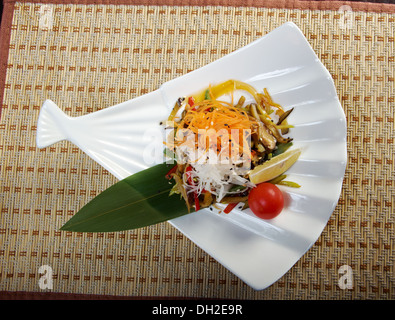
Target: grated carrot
(218,115)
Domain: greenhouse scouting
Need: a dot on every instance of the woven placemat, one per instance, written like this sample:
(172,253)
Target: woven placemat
(87,57)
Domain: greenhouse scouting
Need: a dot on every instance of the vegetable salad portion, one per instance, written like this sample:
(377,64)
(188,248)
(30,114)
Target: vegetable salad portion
(229,151)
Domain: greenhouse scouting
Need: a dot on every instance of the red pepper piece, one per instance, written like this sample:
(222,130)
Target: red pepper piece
(191,102)
(230,207)
(172,170)
(190,181)
(187,170)
(197,204)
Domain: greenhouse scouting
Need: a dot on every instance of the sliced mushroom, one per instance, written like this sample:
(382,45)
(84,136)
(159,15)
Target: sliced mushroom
(275,132)
(267,139)
(283,118)
(230,199)
(207,200)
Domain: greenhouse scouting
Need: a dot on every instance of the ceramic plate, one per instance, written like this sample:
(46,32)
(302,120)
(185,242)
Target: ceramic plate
(258,251)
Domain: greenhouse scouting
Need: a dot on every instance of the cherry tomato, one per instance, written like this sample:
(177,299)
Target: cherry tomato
(266,200)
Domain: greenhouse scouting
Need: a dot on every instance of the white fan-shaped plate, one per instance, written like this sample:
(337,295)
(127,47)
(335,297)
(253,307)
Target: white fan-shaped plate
(259,252)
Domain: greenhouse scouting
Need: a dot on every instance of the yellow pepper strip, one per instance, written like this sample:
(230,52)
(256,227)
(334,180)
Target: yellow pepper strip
(227,87)
(289,184)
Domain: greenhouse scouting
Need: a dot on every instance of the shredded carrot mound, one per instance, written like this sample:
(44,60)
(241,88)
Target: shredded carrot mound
(220,118)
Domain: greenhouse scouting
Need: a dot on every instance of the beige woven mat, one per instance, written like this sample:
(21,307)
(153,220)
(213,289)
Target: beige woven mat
(94,56)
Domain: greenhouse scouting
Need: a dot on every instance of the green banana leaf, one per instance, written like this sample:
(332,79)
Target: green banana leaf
(139,200)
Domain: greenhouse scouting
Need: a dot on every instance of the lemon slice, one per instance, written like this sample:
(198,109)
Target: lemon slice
(275,166)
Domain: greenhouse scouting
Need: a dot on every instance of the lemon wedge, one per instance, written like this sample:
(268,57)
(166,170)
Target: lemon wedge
(275,166)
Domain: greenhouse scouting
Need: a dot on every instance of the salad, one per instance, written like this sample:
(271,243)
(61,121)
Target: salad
(230,145)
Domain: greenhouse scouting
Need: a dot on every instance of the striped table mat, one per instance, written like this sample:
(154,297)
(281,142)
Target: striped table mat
(90,56)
